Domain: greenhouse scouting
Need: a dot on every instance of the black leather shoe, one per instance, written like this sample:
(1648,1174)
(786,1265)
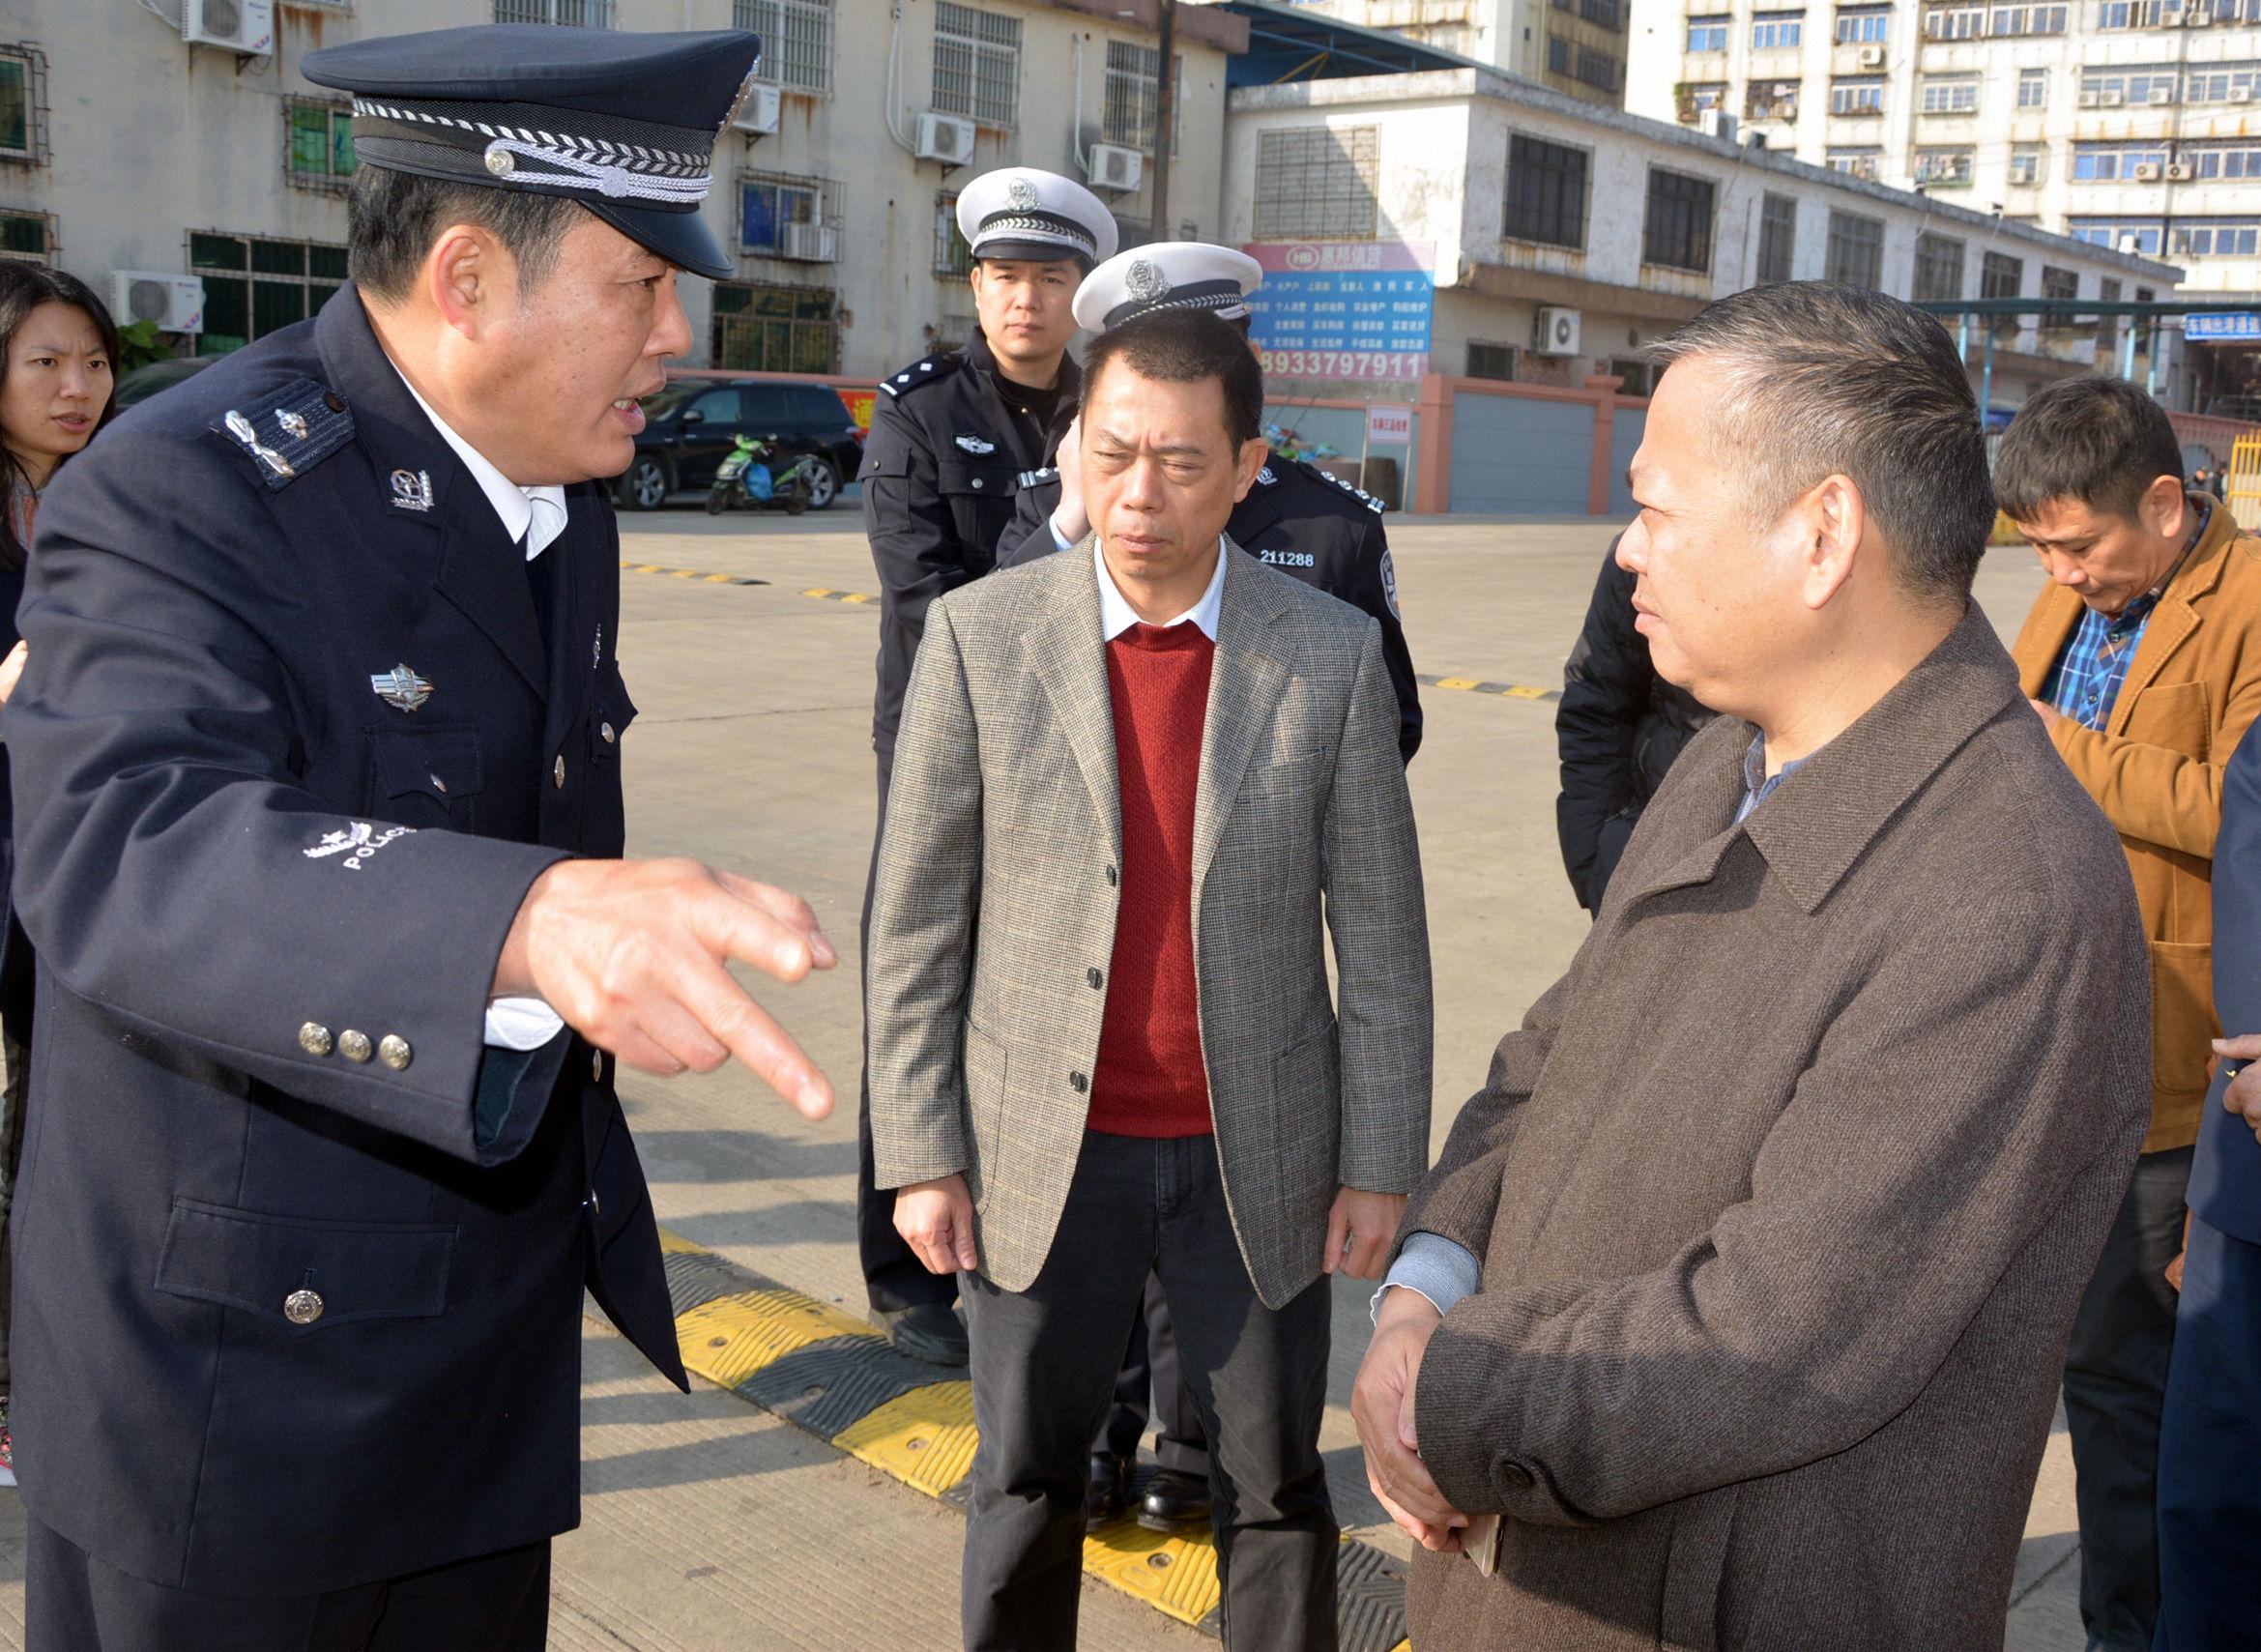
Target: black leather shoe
(1173,1499)
(931,1331)
(1107,1493)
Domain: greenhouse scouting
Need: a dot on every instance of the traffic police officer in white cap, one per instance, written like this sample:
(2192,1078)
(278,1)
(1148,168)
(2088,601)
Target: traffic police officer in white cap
(1297,517)
(950,436)
(318,764)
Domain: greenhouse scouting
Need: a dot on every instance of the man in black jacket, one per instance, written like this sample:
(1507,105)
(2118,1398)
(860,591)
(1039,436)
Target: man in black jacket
(1619,728)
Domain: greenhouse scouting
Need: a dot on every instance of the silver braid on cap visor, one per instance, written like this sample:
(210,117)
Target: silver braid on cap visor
(1227,306)
(1037,226)
(617,171)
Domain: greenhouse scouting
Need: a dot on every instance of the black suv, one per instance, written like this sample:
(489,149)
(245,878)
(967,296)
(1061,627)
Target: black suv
(690,425)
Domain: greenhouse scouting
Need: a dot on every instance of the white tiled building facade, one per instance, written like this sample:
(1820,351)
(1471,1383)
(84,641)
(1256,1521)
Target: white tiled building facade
(2129,123)
(125,148)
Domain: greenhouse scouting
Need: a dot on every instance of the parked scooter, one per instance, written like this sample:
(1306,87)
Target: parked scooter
(744,480)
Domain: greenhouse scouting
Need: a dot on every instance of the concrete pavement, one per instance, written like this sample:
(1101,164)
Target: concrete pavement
(710,1524)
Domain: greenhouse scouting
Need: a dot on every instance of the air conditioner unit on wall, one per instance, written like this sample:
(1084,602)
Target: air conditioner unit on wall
(1871,57)
(2110,99)
(947,138)
(175,303)
(757,116)
(2147,172)
(1556,334)
(243,26)
(1111,167)
(810,242)
(2181,172)
(1717,123)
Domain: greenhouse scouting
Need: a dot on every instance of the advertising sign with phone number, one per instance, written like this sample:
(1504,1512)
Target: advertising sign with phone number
(1343,309)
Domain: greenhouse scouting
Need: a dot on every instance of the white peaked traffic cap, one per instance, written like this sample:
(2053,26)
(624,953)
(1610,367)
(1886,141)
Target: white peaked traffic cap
(1018,211)
(1167,274)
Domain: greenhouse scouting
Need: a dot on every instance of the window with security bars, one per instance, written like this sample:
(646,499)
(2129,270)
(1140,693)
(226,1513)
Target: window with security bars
(568,13)
(1776,31)
(1128,111)
(976,63)
(23,110)
(776,330)
(2128,14)
(254,286)
(1865,25)
(1856,250)
(770,208)
(2000,276)
(2223,83)
(1944,96)
(320,138)
(1546,193)
(953,254)
(1771,100)
(2007,22)
(1954,24)
(1944,168)
(1317,184)
(1602,70)
(1938,268)
(29,238)
(797,40)
(2060,284)
(1856,97)
(1491,361)
(1778,235)
(1677,232)
(2029,165)
(1862,162)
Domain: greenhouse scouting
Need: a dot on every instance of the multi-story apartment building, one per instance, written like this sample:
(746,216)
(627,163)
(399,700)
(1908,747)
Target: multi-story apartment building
(1573,47)
(127,144)
(2133,123)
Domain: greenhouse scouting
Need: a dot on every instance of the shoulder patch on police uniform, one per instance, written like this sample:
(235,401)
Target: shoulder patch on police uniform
(1039,478)
(1267,478)
(1358,493)
(289,431)
(924,372)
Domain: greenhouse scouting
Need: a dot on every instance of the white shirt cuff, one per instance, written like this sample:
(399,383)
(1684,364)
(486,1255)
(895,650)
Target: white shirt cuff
(1059,540)
(521,1023)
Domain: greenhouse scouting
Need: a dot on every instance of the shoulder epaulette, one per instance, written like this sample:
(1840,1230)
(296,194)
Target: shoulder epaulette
(1358,493)
(288,431)
(922,372)
(1039,478)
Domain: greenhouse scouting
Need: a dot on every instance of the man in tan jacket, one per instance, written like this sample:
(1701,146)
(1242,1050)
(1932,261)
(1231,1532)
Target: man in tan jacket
(2143,658)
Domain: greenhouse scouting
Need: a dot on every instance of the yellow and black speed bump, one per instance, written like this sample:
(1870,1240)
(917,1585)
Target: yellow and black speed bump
(828,1371)
(1475,685)
(693,573)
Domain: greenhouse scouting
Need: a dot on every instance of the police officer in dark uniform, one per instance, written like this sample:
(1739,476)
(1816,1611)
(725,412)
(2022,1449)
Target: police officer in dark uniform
(1327,533)
(1298,518)
(317,767)
(950,436)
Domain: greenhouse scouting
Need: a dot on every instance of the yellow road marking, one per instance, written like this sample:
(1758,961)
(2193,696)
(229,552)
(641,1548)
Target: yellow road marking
(924,1438)
(728,1340)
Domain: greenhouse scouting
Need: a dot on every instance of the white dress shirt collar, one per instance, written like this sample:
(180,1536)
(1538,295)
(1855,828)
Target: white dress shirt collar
(1116,616)
(536,515)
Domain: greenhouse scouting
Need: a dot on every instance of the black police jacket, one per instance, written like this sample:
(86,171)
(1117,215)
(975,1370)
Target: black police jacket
(298,1261)
(1619,728)
(1303,522)
(949,438)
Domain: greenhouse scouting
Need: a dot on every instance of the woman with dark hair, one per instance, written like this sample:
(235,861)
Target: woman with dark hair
(58,357)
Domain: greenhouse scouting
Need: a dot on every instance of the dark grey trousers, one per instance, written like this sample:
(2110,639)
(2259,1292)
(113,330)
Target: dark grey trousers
(77,1603)
(1044,1364)
(2115,1386)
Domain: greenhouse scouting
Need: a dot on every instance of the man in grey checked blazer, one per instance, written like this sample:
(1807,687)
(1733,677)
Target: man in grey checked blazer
(1076,1080)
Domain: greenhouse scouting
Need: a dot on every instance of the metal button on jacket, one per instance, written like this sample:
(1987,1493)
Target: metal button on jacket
(605,733)
(302,1307)
(1078,1082)
(1095,978)
(392,1049)
(557,774)
(596,1065)
(314,1038)
(354,1046)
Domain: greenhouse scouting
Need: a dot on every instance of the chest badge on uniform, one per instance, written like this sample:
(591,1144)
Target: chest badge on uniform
(412,490)
(976,445)
(402,687)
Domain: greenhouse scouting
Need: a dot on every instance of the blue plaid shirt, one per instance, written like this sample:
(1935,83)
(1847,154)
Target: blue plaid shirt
(2084,685)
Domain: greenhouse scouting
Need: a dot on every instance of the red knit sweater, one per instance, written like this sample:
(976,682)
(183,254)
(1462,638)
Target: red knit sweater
(1151,1080)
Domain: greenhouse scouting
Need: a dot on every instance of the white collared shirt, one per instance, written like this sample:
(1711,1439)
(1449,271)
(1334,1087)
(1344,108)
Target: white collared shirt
(1116,616)
(536,515)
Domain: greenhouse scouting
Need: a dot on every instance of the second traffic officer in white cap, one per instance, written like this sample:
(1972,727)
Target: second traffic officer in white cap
(950,436)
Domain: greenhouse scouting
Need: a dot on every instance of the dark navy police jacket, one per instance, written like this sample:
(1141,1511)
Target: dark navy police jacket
(2225,1172)
(233,852)
(1304,523)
